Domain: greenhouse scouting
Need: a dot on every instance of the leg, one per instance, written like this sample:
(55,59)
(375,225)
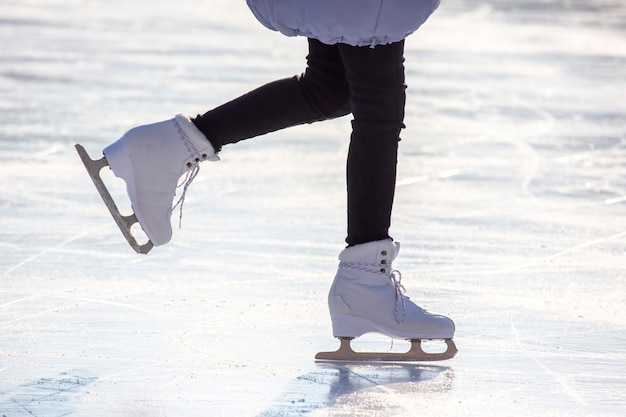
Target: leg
(318,94)
(152,158)
(367,295)
(377,96)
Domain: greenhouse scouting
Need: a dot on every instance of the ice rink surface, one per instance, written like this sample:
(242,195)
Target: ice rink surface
(511,209)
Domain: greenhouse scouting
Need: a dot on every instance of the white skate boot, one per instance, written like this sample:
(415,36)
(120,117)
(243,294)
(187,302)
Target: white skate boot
(151,160)
(367,297)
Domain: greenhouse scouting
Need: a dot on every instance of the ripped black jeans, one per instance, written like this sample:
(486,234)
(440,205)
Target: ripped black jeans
(339,79)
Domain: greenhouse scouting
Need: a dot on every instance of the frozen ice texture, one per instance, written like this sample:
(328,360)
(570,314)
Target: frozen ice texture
(510,207)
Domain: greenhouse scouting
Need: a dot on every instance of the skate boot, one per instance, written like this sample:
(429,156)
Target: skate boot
(151,159)
(367,297)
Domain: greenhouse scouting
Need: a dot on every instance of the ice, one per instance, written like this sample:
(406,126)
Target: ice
(510,210)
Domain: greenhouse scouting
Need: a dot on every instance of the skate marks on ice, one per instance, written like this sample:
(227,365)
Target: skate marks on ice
(561,253)
(378,389)
(577,364)
(50,249)
(46,396)
(125,223)
(560,379)
(510,127)
(428,177)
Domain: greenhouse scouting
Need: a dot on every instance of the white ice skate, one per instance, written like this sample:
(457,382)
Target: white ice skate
(151,160)
(367,297)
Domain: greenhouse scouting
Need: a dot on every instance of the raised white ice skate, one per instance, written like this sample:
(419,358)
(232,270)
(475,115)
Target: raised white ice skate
(367,297)
(151,159)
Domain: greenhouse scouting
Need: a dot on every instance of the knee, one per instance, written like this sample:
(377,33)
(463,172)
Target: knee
(327,93)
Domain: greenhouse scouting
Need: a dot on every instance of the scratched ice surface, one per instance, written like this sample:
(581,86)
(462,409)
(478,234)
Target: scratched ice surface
(510,207)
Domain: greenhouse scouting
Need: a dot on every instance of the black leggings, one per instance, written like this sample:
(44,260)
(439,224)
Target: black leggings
(339,79)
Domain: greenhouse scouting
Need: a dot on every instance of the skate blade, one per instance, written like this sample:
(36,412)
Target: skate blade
(123,222)
(414,354)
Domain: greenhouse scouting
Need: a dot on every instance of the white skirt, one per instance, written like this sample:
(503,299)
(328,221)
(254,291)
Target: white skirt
(355,22)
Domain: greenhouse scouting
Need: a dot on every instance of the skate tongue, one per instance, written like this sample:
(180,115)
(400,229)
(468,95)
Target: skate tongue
(192,173)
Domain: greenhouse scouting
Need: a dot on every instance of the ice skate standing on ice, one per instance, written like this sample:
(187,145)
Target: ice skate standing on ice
(151,159)
(367,297)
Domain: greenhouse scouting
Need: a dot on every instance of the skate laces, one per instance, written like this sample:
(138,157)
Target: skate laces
(192,168)
(192,173)
(395,278)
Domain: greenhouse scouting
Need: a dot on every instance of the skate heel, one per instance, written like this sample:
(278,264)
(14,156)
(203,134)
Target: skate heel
(125,223)
(345,325)
(119,161)
(120,164)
